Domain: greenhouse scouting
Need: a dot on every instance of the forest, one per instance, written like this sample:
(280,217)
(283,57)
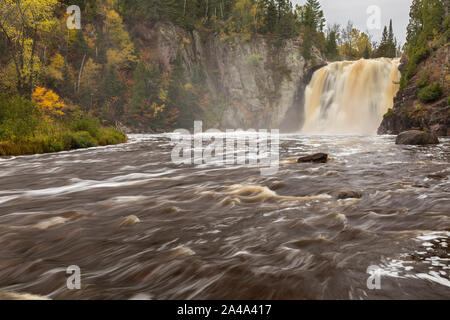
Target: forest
(66,88)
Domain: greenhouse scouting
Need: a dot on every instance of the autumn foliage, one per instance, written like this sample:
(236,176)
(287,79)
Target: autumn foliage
(49,103)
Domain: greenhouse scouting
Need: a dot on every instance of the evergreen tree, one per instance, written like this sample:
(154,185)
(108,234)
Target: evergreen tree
(142,87)
(332,51)
(312,24)
(415,23)
(388,44)
(271,16)
(382,50)
(286,19)
(67,86)
(391,43)
(317,16)
(366,53)
(432,17)
(112,87)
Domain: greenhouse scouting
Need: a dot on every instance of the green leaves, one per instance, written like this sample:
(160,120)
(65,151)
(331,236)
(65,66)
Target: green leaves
(430,93)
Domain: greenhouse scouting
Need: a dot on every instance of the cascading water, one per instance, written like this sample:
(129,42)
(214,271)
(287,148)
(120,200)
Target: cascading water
(350,97)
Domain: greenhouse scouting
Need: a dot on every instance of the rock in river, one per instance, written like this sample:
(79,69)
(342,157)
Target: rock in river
(416,137)
(130,221)
(346,194)
(315,158)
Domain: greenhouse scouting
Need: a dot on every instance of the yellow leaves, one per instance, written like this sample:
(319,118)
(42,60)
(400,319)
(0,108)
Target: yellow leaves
(19,16)
(361,41)
(157,110)
(150,110)
(243,21)
(122,50)
(186,41)
(113,18)
(23,23)
(188,87)
(90,74)
(243,5)
(56,66)
(57,61)
(49,103)
(246,36)
(163,95)
(114,57)
(34,13)
(120,57)
(356,46)
(8,76)
(90,36)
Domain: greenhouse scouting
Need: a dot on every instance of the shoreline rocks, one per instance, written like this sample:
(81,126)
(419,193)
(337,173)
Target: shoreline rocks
(416,137)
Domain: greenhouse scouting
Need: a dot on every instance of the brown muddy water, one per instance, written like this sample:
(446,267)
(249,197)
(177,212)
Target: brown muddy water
(228,232)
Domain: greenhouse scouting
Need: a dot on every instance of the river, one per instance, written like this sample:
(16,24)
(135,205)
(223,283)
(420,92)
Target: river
(228,232)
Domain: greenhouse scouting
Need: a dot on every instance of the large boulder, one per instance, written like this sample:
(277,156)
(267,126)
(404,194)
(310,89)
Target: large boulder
(315,158)
(416,137)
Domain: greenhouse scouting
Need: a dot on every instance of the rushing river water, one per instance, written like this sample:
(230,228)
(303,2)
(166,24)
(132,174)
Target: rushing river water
(214,232)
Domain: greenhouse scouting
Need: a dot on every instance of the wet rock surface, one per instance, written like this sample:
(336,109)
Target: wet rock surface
(409,112)
(415,137)
(347,194)
(314,158)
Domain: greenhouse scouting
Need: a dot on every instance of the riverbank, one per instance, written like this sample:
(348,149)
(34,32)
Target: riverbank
(25,129)
(61,141)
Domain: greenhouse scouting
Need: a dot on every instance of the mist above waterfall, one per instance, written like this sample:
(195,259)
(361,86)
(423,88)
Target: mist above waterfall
(350,97)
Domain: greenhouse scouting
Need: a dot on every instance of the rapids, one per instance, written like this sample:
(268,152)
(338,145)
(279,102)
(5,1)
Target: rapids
(141,227)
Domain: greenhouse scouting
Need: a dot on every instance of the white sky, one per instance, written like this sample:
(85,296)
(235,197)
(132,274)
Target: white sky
(340,11)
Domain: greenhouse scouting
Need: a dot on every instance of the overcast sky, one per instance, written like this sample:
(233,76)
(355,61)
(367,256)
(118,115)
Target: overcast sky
(340,11)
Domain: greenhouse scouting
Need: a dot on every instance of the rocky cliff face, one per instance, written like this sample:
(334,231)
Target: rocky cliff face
(409,112)
(261,84)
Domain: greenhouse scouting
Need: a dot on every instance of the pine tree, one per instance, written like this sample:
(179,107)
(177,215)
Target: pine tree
(366,53)
(382,50)
(415,23)
(67,89)
(286,19)
(332,51)
(388,44)
(391,42)
(432,16)
(271,16)
(317,16)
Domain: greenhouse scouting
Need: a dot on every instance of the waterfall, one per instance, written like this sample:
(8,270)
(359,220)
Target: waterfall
(350,97)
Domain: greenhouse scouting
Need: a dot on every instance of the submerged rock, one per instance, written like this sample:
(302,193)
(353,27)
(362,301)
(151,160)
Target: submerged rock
(347,194)
(416,137)
(129,221)
(315,158)
(6,295)
(182,251)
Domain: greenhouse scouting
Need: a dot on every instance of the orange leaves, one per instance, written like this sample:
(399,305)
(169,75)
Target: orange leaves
(149,111)
(49,103)
(172,117)
(205,100)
